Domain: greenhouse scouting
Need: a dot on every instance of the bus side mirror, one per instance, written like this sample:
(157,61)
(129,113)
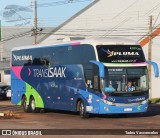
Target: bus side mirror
(96,83)
(155,66)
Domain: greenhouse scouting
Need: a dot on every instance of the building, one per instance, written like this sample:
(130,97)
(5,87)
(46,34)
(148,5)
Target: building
(120,18)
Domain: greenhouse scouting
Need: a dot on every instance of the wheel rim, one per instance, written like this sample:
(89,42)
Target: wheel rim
(25,104)
(33,106)
(81,109)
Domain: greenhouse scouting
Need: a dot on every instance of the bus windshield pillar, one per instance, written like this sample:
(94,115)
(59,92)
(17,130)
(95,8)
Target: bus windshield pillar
(101,74)
(101,68)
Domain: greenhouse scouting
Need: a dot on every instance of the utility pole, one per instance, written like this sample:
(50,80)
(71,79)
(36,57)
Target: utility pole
(35,22)
(0,31)
(150,56)
(0,40)
(1,43)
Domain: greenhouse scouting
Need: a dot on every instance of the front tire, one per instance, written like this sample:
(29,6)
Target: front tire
(82,110)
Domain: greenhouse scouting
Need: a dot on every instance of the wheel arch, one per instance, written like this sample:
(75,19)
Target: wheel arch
(78,102)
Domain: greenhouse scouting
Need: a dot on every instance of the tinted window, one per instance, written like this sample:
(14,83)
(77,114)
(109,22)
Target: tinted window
(80,54)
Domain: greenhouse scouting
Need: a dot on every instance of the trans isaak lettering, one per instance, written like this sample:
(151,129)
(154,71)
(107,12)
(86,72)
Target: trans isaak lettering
(50,72)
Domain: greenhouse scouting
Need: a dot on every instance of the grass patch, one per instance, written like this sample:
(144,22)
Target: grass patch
(155,100)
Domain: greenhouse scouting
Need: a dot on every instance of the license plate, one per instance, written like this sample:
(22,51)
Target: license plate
(127,109)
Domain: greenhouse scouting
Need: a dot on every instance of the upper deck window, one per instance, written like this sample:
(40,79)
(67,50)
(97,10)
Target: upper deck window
(80,54)
(120,54)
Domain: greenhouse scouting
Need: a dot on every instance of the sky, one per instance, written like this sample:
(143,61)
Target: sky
(51,13)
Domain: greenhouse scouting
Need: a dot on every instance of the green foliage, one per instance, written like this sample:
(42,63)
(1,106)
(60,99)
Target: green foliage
(155,100)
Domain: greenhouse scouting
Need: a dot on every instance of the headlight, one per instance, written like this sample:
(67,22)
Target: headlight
(108,102)
(145,101)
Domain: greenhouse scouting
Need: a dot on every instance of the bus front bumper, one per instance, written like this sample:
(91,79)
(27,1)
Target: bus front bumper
(118,109)
(124,109)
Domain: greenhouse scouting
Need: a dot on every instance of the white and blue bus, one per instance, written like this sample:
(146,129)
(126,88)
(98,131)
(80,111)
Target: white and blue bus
(90,76)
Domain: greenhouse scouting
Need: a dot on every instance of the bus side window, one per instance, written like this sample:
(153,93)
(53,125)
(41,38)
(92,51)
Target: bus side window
(96,78)
(96,82)
(88,76)
(91,77)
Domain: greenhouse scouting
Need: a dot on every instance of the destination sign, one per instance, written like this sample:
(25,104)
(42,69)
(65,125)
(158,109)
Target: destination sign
(120,54)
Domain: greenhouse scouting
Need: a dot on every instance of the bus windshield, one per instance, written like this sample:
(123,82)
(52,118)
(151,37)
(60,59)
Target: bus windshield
(130,79)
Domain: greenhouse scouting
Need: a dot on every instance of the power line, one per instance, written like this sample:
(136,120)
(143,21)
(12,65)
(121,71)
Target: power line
(58,3)
(125,9)
(71,34)
(16,36)
(138,31)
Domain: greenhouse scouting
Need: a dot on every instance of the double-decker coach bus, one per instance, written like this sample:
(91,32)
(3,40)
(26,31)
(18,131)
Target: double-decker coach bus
(94,76)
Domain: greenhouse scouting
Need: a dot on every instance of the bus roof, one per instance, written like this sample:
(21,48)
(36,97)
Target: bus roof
(92,41)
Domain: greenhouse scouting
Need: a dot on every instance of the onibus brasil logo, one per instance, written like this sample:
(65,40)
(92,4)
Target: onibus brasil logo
(113,53)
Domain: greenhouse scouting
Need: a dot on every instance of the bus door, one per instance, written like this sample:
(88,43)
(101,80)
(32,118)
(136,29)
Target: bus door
(63,96)
(59,94)
(69,87)
(92,78)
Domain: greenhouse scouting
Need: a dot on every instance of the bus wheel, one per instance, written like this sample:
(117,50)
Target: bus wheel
(82,110)
(33,106)
(26,107)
